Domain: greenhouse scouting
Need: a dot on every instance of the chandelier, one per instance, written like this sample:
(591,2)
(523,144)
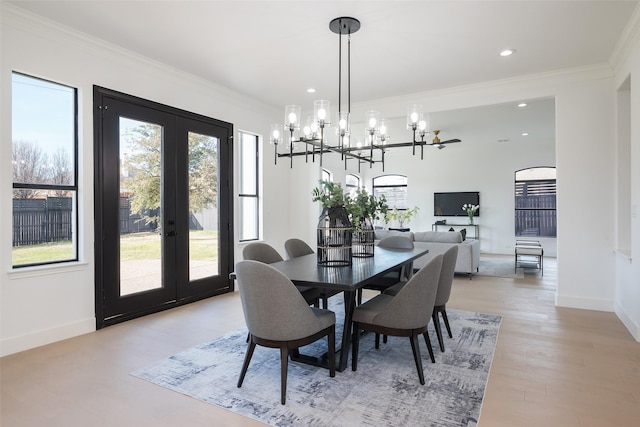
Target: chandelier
(310,140)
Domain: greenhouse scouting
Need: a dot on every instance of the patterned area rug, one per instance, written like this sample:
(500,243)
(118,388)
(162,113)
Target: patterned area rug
(499,267)
(385,389)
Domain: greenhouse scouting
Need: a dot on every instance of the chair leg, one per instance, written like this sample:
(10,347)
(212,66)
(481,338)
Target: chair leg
(436,325)
(427,339)
(377,341)
(284,364)
(446,322)
(332,352)
(415,346)
(247,359)
(354,350)
(359,297)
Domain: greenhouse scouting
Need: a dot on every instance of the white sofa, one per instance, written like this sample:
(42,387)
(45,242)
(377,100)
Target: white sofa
(438,242)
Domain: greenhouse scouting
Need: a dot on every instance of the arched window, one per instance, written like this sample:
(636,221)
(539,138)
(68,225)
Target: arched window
(535,202)
(352,182)
(393,187)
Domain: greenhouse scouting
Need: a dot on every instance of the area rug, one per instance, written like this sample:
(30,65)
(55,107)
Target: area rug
(385,389)
(499,267)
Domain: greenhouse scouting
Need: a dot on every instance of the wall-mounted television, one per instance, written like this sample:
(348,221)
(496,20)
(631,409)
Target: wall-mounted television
(450,204)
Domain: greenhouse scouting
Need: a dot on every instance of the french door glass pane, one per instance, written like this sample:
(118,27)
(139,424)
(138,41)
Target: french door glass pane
(140,206)
(203,205)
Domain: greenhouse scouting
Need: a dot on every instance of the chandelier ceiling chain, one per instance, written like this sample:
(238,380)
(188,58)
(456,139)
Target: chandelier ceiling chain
(312,137)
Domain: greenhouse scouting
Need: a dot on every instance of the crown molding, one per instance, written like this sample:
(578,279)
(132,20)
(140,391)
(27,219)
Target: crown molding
(628,39)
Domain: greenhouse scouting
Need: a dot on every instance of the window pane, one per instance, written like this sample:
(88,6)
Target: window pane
(394,188)
(203,206)
(248,170)
(43,131)
(43,226)
(248,218)
(535,202)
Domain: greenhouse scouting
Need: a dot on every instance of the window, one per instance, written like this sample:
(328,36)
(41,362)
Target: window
(535,202)
(249,197)
(44,159)
(327,176)
(352,183)
(394,188)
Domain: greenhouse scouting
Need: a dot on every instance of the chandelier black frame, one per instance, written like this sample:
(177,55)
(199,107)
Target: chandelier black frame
(313,136)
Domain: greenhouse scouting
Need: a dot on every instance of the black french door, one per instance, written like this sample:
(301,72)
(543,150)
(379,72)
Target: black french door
(163,206)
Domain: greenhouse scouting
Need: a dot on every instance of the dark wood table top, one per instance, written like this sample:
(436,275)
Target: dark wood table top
(305,271)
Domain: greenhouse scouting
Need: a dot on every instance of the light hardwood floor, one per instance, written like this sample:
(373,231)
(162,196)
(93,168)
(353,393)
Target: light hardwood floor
(553,366)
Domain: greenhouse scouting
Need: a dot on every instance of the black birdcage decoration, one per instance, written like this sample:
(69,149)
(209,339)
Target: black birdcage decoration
(334,237)
(363,239)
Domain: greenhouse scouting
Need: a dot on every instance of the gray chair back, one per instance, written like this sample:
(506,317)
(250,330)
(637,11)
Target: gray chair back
(259,251)
(296,247)
(446,275)
(411,308)
(273,307)
(399,242)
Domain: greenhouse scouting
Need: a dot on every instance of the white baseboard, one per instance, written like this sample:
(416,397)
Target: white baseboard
(585,303)
(47,336)
(633,328)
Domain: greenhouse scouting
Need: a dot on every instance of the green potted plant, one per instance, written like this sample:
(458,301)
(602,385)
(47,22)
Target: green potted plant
(334,228)
(401,216)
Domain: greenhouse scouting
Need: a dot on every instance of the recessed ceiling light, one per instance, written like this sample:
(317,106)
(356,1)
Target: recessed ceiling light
(522,104)
(524,134)
(507,52)
(311,90)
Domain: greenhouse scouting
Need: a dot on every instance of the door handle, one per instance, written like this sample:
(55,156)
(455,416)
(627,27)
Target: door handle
(170,234)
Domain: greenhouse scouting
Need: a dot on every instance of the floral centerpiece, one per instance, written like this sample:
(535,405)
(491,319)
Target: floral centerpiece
(470,210)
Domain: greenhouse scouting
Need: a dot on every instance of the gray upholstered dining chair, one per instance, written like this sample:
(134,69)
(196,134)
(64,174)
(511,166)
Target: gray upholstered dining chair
(406,314)
(294,248)
(400,275)
(444,291)
(278,317)
(263,252)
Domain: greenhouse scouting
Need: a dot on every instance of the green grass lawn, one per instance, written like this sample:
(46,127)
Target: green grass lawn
(203,245)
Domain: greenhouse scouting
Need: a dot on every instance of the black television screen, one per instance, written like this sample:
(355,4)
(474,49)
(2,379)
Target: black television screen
(450,204)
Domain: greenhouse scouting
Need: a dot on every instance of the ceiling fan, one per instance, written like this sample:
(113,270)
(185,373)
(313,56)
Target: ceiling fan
(440,144)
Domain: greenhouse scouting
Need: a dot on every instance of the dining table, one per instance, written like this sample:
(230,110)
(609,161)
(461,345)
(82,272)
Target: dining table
(305,271)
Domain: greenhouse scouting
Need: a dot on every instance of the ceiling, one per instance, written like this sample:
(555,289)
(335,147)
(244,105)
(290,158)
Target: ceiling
(274,50)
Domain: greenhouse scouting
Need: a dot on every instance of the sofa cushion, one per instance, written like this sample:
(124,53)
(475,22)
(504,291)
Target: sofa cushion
(381,234)
(437,236)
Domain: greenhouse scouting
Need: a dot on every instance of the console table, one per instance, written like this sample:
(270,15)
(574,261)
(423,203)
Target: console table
(474,227)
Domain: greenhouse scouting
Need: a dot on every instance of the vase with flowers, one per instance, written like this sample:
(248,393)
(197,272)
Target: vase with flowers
(470,210)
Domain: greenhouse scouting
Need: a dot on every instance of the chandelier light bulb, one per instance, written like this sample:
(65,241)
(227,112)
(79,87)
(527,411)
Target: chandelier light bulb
(342,123)
(276,134)
(383,130)
(372,122)
(307,131)
(322,114)
(422,125)
(292,118)
(414,117)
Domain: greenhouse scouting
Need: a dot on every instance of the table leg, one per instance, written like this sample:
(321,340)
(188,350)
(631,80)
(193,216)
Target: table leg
(349,305)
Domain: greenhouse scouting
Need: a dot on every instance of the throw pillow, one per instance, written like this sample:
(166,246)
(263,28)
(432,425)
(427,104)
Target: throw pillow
(463,233)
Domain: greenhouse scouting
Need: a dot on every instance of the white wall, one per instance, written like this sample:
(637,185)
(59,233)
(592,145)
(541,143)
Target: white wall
(41,305)
(627,267)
